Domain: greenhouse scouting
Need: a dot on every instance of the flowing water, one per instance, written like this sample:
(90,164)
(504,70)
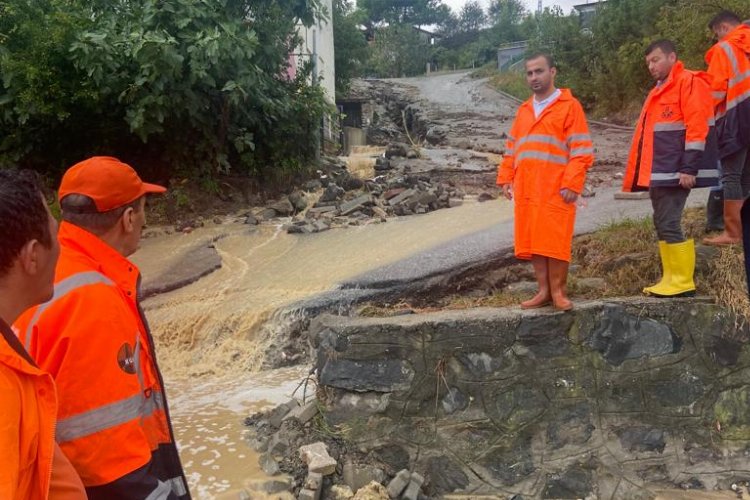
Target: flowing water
(210,335)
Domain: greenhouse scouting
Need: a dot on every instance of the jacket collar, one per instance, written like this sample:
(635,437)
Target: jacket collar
(105,259)
(565,95)
(677,69)
(12,352)
(738,37)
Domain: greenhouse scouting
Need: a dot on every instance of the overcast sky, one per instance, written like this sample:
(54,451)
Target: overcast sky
(531,5)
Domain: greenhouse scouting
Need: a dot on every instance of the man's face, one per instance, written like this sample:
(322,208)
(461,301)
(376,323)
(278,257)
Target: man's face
(722,30)
(47,261)
(660,64)
(539,75)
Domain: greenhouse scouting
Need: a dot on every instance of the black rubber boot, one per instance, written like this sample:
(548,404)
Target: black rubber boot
(715,211)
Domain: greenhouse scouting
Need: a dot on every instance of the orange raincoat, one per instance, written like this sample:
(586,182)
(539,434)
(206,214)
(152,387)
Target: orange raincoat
(543,156)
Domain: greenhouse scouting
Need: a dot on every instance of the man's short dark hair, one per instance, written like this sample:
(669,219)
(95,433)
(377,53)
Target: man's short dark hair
(666,46)
(23,216)
(725,16)
(80,210)
(546,55)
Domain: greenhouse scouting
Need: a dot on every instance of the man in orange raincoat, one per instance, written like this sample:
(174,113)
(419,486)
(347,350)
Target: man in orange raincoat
(32,466)
(547,154)
(674,149)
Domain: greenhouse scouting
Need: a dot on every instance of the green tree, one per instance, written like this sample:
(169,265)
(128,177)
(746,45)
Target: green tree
(350,44)
(175,84)
(472,17)
(415,12)
(398,51)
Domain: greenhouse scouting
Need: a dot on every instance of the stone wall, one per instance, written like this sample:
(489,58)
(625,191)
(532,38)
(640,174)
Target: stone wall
(610,401)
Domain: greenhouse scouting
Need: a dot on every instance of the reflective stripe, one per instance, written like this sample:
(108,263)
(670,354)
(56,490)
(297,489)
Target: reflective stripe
(695,146)
(178,486)
(544,139)
(63,288)
(719,94)
(711,122)
(511,138)
(538,155)
(581,151)
(579,137)
(738,79)
(669,126)
(108,416)
(703,174)
(730,54)
(161,492)
(737,100)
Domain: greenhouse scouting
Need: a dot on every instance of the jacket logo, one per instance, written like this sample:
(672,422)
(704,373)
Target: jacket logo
(125,359)
(667,113)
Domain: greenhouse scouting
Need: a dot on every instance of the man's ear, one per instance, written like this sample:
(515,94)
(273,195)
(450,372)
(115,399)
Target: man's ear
(127,220)
(553,71)
(28,257)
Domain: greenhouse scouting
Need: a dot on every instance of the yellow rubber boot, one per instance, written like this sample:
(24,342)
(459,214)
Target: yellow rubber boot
(666,273)
(682,261)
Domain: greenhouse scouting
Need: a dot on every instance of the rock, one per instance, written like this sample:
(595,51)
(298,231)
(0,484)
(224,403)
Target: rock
(643,439)
(573,483)
(399,483)
(396,149)
(638,195)
(436,135)
(402,197)
(463,144)
(372,491)
(454,401)
(278,445)
(298,201)
(392,193)
(382,164)
(258,443)
(485,196)
(317,458)
(411,154)
(357,203)
(267,214)
(277,414)
(622,336)
(455,202)
(444,476)
(218,220)
(380,375)
(426,198)
(283,207)
(415,486)
(340,492)
(320,226)
(393,456)
(312,185)
(252,220)
(379,212)
(268,464)
(358,476)
(271,487)
(352,183)
(591,284)
(312,487)
(332,193)
(303,414)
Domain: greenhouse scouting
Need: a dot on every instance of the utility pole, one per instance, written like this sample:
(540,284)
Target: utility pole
(539,7)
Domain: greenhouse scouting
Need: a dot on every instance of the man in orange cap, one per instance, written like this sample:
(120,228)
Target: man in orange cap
(92,337)
(32,466)
(548,153)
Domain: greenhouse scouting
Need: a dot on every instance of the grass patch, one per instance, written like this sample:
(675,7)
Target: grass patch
(511,83)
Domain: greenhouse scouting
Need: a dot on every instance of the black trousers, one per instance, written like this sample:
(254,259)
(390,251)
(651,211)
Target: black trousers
(668,204)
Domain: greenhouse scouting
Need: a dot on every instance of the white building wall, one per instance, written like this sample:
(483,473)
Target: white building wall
(319,38)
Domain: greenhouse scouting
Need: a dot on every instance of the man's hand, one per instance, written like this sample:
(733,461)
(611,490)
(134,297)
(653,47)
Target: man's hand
(568,196)
(507,190)
(687,181)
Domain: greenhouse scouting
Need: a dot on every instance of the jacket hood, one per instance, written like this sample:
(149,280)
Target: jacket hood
(740,37)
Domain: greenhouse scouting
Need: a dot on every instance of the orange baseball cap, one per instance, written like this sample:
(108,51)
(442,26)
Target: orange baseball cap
(106,180)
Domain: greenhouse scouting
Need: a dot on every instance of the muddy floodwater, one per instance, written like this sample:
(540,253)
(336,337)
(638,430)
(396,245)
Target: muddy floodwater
(209,337)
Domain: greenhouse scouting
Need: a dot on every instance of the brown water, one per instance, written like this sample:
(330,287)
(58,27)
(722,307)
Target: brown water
(211,335)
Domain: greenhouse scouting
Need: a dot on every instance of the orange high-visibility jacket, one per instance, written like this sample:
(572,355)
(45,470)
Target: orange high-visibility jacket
(675,134)
(113,421)
(543,156)
(27,423)
(729,67)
